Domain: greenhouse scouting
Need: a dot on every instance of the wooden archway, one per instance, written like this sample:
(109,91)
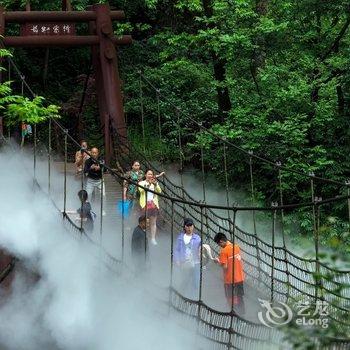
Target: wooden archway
(57,29)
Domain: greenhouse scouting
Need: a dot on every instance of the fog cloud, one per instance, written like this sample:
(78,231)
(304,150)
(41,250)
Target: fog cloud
(76,303)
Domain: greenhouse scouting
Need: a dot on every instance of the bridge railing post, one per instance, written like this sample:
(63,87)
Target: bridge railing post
(347,184)
(273,243)
(278,165)
(82,183)
(2,32)
(316,220)
(232,312)
(65,171)
(34,151)
(172,215)
(252,194)
(49,158)
(102,192)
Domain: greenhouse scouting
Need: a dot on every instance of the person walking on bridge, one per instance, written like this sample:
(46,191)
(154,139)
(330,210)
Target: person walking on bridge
(231,262)
(149,201)
(136,175)
(139,245)
(187,258)
(81,157)
(93,171)
(130,190)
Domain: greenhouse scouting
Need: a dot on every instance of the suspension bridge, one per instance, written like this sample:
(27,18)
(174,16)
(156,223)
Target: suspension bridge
(274,270)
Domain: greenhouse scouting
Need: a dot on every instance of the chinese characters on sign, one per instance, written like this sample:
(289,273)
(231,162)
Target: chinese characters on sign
(53,29)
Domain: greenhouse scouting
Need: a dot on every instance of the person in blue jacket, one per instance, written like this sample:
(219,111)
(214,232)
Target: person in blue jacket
(187,258)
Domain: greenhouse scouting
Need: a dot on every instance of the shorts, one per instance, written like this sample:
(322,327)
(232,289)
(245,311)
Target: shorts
(150,212)
(238,289)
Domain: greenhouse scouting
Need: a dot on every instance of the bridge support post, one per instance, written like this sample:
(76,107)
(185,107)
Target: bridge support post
(2,32)
(95,55)
(109,76)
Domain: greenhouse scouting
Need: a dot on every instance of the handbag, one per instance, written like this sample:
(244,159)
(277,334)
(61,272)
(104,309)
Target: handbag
(93,215)
(124,207)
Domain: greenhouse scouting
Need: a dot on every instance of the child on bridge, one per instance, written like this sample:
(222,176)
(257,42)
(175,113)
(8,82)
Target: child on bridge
(84,214)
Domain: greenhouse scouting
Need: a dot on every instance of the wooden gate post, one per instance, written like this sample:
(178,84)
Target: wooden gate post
(2,32)
(111,80)
(2,21)
(95,56)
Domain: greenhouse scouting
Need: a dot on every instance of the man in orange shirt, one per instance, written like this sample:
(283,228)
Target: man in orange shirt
(231,262)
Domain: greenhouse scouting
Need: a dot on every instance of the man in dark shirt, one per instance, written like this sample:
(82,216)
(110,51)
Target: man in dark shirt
(139,245)
(93,172)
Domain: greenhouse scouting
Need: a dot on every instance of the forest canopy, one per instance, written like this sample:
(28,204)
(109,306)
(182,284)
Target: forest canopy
(270,76)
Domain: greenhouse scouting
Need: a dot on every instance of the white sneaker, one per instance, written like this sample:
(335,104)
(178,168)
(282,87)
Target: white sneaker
(153,241)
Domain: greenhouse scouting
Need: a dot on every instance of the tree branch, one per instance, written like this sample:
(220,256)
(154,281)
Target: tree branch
(337,39)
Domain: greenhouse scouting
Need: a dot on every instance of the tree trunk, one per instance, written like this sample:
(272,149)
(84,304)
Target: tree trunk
(341,100)
(339,90)
(224,101)
(219,65)
(259,54)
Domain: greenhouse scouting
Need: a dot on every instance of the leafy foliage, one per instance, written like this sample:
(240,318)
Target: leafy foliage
(22,109)
(270,77)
